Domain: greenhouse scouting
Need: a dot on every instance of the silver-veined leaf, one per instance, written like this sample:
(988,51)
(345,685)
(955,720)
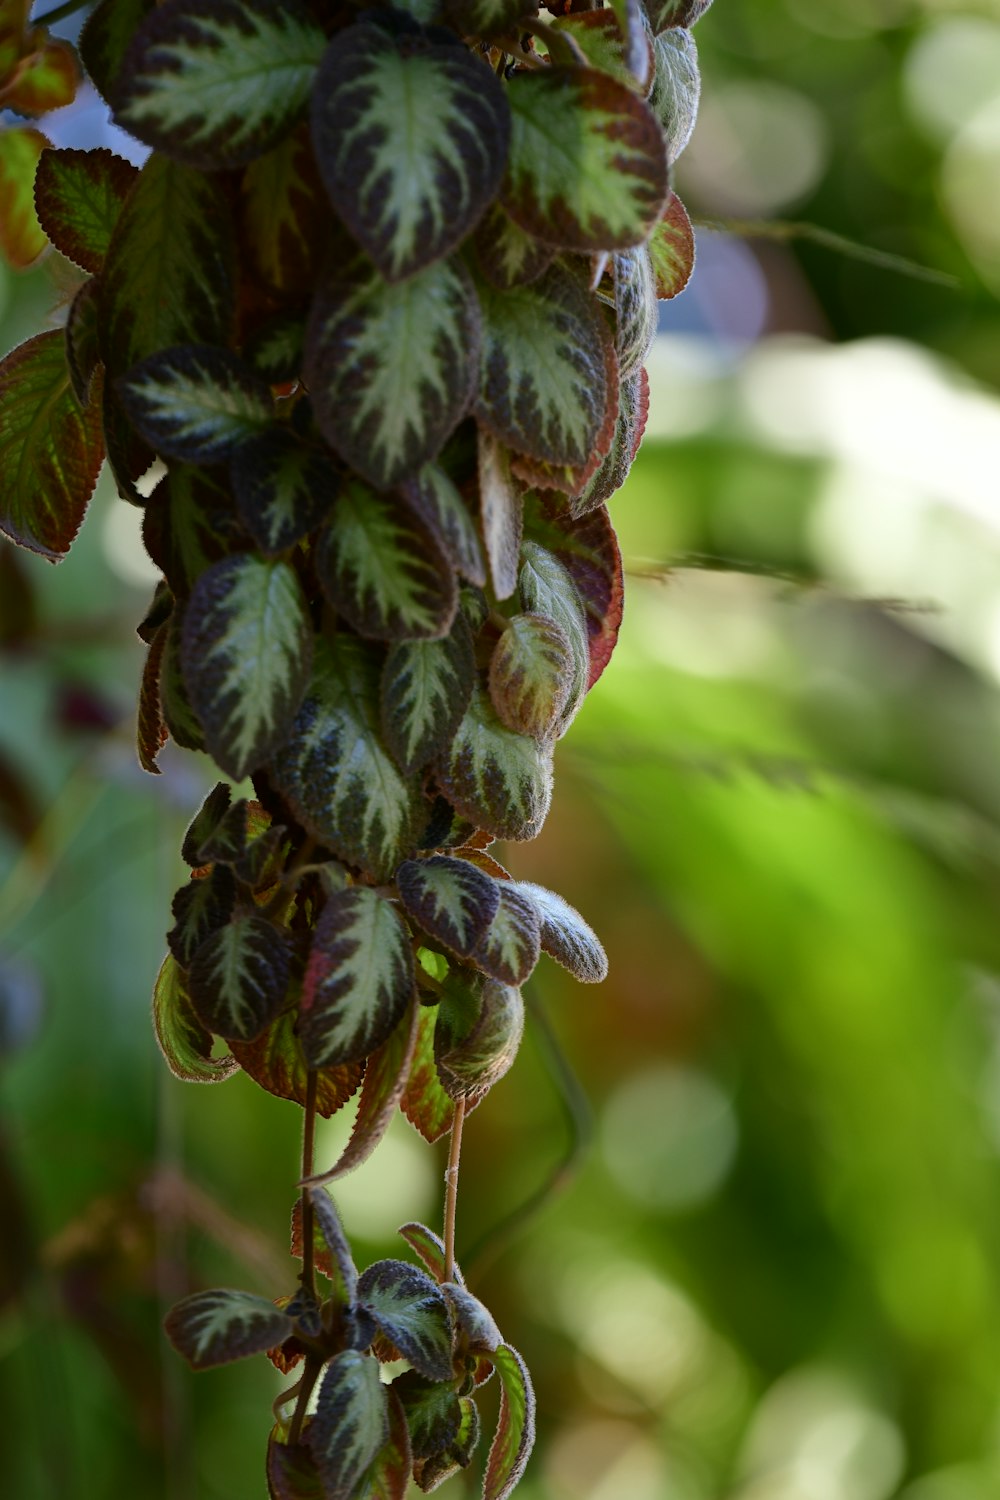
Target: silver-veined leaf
(488,18)
(382,570)
(506,253)
(411,139)
(515,1432)
(636,312)
(412,1312)
(531,673)
(671,247)
(391,368)
(213,1328)
(283,488)
(587,168)
(340,1262)
(502,505)
(570,940)
(666,13)
(359,978)
(433,1414)
(676,88)
(633,409)
(339,780)
(450,899)
(239,976)
(499,780)
(440,506)
(195,403)
(247,647)
(510,947)
(217,82)
(426,687)
(199,908)
(351,1422)
(614,41)
(424,1103)
(183,1040)
(478,1030)
(544,382)
(429,1473)
(547,589)
(389,1476)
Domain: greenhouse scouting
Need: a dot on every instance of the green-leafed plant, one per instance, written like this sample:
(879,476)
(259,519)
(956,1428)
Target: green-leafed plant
(378,305)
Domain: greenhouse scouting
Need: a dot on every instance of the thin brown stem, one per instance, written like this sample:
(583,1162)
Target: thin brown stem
(306,1386)
(451,1190)
(308,1277)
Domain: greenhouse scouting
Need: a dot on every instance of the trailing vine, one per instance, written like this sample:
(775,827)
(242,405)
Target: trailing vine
(376,307)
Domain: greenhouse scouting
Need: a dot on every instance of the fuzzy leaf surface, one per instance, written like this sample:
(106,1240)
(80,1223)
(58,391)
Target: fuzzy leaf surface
(359,979)
(450,899)
(78,197)
(351,1422)
(430,1248)
(636,312)
(246,654)
(215,83)
(389,1476)
(341,1267)
(502,508)
(433,496)
(340,781)
(276,1062)
(570,940)
(433,1414)
(588,548)
(50,450)
(630,424)
(195,403)
(151,733)
(216,1327)
(547,588)
(476,1325)
(623,50)
(499,780)
(239,976)
(22,238)
(425,690)
(391,368)
(283,488)
(505,253)
(199,908)
(676,88)
(509,948)
(412,1312)
(531,672)
(515,1433)
(184,1042)
(291,1470)
(666,13)
(479,1027)
(587,168)
(671,248)
(411,138)
(424,1103)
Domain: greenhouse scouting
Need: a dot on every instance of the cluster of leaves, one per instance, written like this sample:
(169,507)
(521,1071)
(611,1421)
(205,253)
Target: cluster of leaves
(368,1437)
(377,306)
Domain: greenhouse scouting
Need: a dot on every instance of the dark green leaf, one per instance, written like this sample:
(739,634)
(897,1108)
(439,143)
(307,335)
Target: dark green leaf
(204,823)
(431,1472)
(340,1267)
(276,1062)
(213,1328)
(183,1040)
(199,908)
(285,215)
(79,196)
(515,1433)
(83,353)
(389,1476)
(478,1031)
(189,523)
(217,82)
(50,450)
(614,41)
(105,39)
(433,1414)
(499,780)
(129,457)
(636,312)
(412,1312)
(488,17)
(426,687)
(283,488)
(507,255)
(359,979)
(276,348)
(151,732)
(547,589)
(439,505)
(351,1422)
(588,548)
(177,711)
(531,673)
(510,947)
(291,1470)
(451,899)
(565,935)
(239,976)
(476,1327)
(195,403)
(429,1247)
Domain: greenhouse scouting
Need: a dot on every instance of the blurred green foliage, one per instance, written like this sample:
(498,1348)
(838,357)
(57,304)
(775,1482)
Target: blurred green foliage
(773,1276)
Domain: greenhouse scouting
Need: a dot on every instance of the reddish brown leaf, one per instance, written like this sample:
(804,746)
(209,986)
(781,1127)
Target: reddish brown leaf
(151,732)
(22,238)
(78,197)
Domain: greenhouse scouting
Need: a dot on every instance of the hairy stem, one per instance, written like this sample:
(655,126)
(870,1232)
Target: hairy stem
(451,1190)
(308,1277)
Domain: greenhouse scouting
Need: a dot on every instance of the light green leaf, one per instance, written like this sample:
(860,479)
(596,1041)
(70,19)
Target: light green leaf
(450,899)
(440,506)
(676,88)
(509,948)
(531,673)
(671,248)
(351,1422)
(614,40)
(502,506)
(382,571)
(544,387)
(499,780)
(412,1312)
(391,369)
(195,403)
(587,168)
(22,238)
(411,140)
(283,488)
(570,940)
(507,255)
(217,82)
(546,588)
(239,976)
(79,196)
(359,978)
(183,1040)
(213,1328)
(515,1433)
(340,781)
(246,657)
(426,687)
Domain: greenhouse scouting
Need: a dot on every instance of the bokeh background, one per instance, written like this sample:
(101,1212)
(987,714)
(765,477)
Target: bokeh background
(764,1156)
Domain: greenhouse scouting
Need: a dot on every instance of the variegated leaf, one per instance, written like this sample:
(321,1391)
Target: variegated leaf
(105,40)
(502,506)
(546,588)
(283,488)
(184,1042)
(531,673)
(276,1062)
(424,1103)
(507,255)
(217,82)
(213,1328)
(245,839)
(440,506)
(389,1476)
(129,457)
(588,548)
(476,1328)
(340,782)
(676,88)
(479,1027)
(83,354)
(382,571)
(613,41)
(426,687)
(46,78)
(510,947)
(359,979)
(433,1414)
(544,384)
(246,654)
(488,18)
(386,1073)
(570,940)
(276,348)
(515,1433)
(671,247)
(391,368)
(571,479)
(411,138)
(79,196)
(199,908)
(666,13)
(239,976)
(50,449)
(284,214)
(351,1422)
(291,1469)
(429,1473)
(168,272)
(451,900)
(636,312)
(195,403)
(501,781)
(340,1267)
(22,238)
(587,168)
(430,1248)
(633,409)
(412,1312)
(204,823)
(188,524)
